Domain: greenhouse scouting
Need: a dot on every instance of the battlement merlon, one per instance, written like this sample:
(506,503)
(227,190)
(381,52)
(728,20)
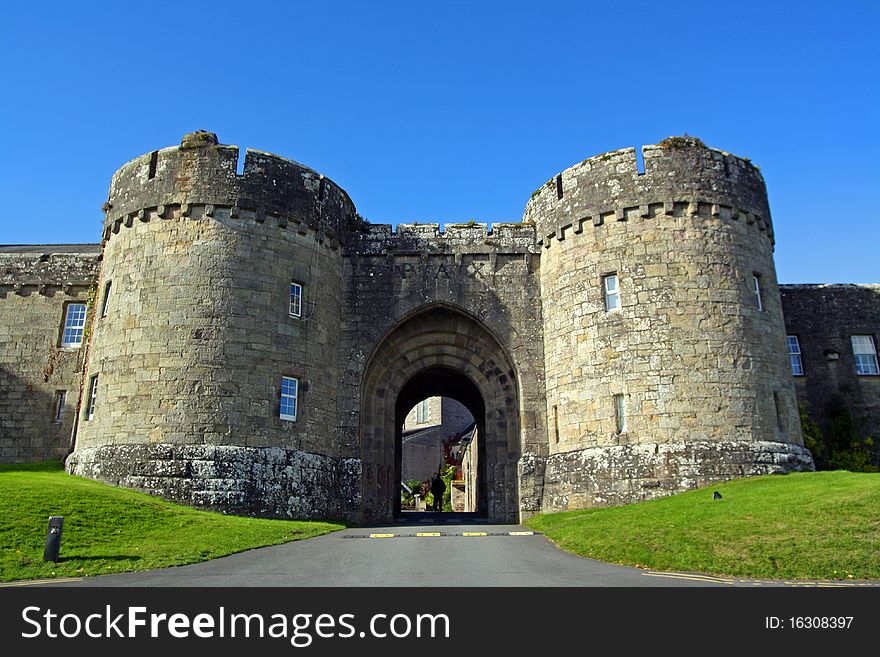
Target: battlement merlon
(201,171)
(382,239)
(678,169)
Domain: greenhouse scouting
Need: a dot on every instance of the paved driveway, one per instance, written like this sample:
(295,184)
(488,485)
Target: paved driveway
(413,554)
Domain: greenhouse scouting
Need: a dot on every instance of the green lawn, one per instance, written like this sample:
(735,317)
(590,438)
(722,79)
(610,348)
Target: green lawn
(112,530)
(817,525)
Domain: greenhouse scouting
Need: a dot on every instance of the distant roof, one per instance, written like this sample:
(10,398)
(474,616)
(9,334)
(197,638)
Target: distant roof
(50,248)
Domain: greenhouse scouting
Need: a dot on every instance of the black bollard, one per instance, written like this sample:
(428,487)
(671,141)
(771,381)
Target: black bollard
(53,538)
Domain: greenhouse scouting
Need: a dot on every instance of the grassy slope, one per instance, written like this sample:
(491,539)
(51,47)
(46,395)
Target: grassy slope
(822,525)
(111,530)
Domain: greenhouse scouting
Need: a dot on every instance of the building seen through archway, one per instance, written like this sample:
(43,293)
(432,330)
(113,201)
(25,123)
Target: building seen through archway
(439,436)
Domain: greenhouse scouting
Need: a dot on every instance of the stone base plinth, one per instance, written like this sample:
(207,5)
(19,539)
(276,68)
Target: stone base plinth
(271,482)
(610,476)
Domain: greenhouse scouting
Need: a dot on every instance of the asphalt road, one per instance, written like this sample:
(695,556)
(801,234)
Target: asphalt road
(396,556)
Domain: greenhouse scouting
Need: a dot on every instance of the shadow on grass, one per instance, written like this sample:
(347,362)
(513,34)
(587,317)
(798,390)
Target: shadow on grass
(40,466)
(114,557)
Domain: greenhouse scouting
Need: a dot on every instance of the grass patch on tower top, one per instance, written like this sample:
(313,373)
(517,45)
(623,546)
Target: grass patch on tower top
(113,530)
(816,525)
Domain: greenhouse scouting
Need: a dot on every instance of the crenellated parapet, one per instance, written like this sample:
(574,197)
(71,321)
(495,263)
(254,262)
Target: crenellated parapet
(383,239)
(199,179)
(46,269)
(681,178)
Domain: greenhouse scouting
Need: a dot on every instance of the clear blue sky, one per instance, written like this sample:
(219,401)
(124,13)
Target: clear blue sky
(450,111)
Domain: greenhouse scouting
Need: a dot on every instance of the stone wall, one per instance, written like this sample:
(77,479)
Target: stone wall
(202,172)
(198,333)
(824,317)
(510,322)
(273,482)
(621,474)
(693,357)
(465,300)
(36,285)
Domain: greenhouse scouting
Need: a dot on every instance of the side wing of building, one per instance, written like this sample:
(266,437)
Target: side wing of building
(833,336)
(45,294)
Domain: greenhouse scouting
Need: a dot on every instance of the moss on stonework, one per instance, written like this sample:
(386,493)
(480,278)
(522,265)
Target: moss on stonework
(358,223)
(751,164)
(685,141)
(198,138)
(91,297)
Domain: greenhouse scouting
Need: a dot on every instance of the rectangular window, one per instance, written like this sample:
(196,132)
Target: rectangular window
(93,396)
(60,399)
(865,352)
(794,355)
(289,392)
(756,279)
(620,413)
(104,304)
(423,414)
(296,300)
(74,325)
(612,292)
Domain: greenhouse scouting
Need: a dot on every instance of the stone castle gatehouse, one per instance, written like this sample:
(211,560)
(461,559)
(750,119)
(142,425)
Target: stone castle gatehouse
(245,342)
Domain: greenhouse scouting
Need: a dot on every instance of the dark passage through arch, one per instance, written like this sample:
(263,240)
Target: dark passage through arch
(443,382)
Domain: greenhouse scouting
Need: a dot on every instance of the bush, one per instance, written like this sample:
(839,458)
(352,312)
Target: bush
(840,447)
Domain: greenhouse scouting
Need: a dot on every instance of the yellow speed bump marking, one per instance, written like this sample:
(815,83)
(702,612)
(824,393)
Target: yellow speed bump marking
(474,534)
(427,533)
(382,535)
(521,533)
(37,582)
(694,577)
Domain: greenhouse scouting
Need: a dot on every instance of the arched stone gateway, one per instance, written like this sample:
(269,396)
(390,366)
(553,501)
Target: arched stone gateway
(440,351)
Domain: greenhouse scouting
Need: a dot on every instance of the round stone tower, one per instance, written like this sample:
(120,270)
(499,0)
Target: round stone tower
(210,375)
(664,342)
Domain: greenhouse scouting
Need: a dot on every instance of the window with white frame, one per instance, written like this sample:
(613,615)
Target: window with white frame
(756,281)
(620,413)
(106,301)
(60,399)
(296,300)
(865,352)
(289,394)
(612,292)
(794,355)
(93,397)
(74,325)
(423,413)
